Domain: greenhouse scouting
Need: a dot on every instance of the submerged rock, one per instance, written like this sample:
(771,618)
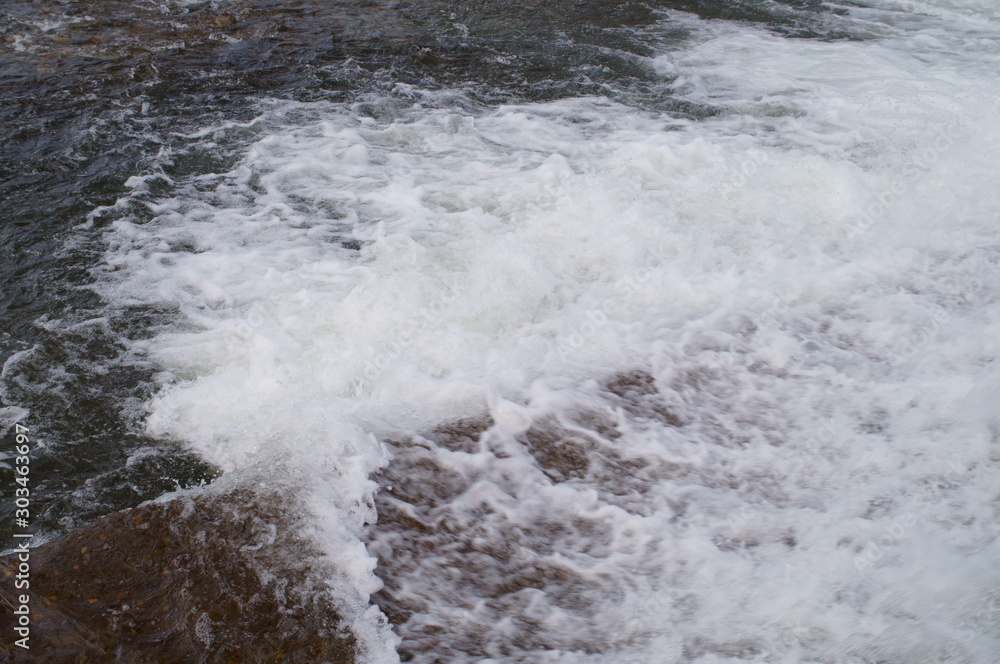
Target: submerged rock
(209,578)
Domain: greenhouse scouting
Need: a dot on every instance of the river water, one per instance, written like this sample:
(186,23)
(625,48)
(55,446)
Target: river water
(581,331)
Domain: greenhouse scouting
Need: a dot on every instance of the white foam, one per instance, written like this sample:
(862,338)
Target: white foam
(810,277)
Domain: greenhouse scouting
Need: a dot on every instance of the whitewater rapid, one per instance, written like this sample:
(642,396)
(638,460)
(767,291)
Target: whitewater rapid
(762,344)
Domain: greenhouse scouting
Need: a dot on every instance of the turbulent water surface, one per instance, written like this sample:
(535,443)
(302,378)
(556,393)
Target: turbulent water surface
(581,331)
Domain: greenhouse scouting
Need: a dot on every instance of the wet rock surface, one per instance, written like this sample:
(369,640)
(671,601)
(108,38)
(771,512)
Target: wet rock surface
(467,498)
(208,578)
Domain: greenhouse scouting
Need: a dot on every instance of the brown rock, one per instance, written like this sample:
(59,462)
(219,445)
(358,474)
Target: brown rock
(213,578)
(223,20)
